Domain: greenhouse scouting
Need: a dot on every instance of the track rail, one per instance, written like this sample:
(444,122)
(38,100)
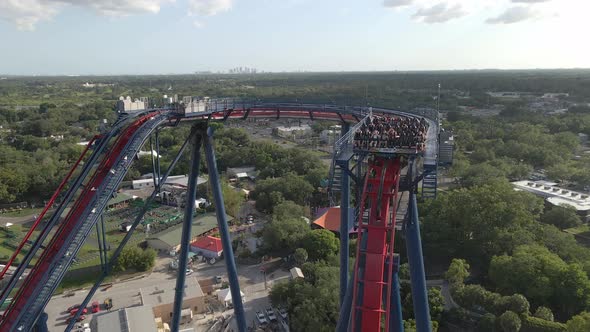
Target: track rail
(373,268)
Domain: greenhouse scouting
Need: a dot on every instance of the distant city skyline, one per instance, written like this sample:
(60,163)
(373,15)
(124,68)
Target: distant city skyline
(115,37)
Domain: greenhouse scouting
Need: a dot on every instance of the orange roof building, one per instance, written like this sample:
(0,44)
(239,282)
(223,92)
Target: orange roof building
(208,246)
(330,220)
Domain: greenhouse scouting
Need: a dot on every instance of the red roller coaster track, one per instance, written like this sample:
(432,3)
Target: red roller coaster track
(48,257)
(375,247)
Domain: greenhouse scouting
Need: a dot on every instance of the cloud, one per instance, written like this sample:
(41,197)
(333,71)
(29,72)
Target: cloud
(440,13)
(26,14)
(118,7)
(209,7)
(514,15)
(530,1)
(397,3)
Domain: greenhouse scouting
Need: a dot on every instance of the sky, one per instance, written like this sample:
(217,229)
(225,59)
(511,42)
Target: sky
(106,37)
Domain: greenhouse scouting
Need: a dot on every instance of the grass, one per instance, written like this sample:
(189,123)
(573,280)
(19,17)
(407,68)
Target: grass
(22,213)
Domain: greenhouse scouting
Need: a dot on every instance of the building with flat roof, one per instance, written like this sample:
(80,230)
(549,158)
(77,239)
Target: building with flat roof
(138,318)
(169,239)
(160,298)
(172,182)
(557,196)
(293,131)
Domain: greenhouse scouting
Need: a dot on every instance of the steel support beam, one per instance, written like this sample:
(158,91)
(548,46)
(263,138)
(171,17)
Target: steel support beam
(416,260)
(103,263)
(396,322)
(228,253)
(41,324)
(346,308)
(153,161)
(158,168)
(344,219)
(136,222)
(185,238)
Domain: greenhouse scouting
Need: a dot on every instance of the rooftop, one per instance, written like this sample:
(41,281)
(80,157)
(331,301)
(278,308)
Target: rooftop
(126,319)
(163,292)
(331,220)
(555,195)
(201,224)
(208,243)
(121,197)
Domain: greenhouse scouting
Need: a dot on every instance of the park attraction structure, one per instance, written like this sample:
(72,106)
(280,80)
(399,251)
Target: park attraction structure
(369,298)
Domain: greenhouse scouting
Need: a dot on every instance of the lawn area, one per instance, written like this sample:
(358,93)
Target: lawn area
(22,213)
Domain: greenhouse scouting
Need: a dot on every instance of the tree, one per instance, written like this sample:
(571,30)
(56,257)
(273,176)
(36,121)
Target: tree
(436,303)
(284,236)
(579,323)
(516,303)
(287,210)
(458,271)
(487,323)
(290,187)
(562,217)
(510,322)
(300,256)
(544,313)
(320,243)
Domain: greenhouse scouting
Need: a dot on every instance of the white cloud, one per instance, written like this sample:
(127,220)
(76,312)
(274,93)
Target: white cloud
(440,13)
(514,15)
(530,1)
(209,7)
(26,14)
(118,7)
(397,3)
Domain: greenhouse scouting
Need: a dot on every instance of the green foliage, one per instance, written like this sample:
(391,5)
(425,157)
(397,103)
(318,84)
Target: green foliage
(478,222)
(320,244)
(544,313)
(458,271)
(510,322)
(487,323)
(287,210)
(136,259)
(562,217)
(534,324)
(579,323)
(300,256)
(272,192)
(284,236)
(436,303)
(542,277)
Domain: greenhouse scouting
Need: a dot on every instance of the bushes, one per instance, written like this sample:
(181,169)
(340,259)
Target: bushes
(135,258)
(534,324)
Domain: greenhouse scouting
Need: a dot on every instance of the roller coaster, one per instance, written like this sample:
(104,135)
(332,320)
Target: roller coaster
(369,299)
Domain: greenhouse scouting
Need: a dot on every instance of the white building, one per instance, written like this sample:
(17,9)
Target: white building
(293,131)
(557,196)
(127,104)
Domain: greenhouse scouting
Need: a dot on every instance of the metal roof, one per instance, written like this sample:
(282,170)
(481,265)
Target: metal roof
(201,224)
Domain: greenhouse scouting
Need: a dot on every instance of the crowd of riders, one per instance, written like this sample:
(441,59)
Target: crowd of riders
(386,132)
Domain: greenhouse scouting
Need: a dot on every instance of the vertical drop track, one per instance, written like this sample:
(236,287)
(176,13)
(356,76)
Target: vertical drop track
(373,273)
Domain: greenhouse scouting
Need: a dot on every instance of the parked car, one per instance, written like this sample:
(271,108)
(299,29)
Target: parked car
(95,307)
(75,310)
(108,303)
(189,272)
(81,318)
(250,219)
(271,314)
(76,306)
(260,317)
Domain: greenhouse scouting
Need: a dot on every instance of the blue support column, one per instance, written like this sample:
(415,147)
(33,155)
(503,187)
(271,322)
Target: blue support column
(396,322)
(344,219)
(416,260)
(158,168)
(228,253)
(41,324)
(186,229)
(103,263)
(345,308)
(153,162)
(105,247)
